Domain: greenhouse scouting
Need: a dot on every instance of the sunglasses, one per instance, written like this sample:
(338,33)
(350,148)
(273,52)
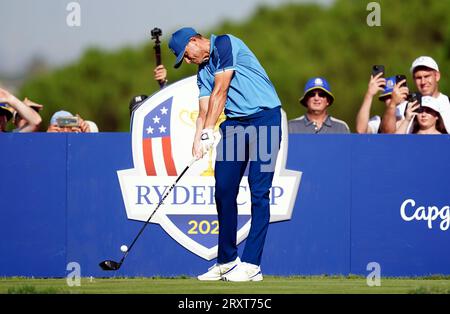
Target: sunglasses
(321,94)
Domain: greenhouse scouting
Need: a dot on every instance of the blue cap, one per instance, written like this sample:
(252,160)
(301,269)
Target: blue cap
(179,41)
(7,110)
(388,88)
(316,83)
(59,114)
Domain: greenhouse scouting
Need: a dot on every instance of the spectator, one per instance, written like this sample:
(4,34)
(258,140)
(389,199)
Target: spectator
(372,126)
(6,113)
(317,98)
(426,76)
(31,118)
(24,125)
(425,118)
(77,126)
(391,117)
(363,124)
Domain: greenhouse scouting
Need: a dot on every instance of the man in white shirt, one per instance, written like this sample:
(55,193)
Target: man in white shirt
(426,76)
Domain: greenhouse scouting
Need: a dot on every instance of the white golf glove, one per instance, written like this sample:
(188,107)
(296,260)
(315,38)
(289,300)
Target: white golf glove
(207,140)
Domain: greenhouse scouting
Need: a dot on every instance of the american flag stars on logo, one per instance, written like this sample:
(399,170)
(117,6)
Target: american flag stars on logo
(156,141)
(156,120)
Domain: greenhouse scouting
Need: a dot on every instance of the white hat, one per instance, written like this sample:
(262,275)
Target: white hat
(424,61)
(92,126)
(431,102)
(439,107)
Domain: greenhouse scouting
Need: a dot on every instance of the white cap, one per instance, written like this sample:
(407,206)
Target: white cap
(440,106)
(431,102)
(92,125)
(424,61)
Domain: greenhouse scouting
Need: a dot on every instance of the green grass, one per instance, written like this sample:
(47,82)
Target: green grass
(187,285)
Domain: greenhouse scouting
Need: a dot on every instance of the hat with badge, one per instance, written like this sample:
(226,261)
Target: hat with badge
(316,83)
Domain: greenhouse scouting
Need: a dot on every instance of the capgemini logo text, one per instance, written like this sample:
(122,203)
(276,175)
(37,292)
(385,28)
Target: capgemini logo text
(430,214)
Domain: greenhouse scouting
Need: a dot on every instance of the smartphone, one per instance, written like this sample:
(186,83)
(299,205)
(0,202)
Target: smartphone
(414,96)
(399,78)
(67,122)
(376,69)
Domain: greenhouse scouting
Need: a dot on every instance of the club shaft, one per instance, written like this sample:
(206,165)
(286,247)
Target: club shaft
(159,204)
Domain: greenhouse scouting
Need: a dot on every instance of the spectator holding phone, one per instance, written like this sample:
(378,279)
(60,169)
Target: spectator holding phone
(391,118)
(317,97)
(426,76)
(64,122)
(377,84)
(24,125)
(424,114)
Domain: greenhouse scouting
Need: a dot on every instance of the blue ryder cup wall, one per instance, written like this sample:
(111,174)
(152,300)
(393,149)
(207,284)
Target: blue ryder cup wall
(61,202)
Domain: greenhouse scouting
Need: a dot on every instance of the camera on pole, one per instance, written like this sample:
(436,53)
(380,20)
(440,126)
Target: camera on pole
(156,33)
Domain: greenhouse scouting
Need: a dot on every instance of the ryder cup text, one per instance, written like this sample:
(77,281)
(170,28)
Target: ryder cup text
(192,195)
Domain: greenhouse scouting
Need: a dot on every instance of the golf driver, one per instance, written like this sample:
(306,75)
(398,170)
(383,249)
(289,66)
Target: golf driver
(112,265)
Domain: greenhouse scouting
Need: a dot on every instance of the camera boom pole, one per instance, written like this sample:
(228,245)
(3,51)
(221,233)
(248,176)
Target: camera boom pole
(156,33)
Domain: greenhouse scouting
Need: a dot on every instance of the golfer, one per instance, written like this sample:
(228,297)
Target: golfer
(231,80)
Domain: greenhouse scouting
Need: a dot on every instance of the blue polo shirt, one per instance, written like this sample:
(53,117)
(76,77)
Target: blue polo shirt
(250,89)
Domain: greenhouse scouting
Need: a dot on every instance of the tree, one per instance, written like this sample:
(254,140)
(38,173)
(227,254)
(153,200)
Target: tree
(293,42)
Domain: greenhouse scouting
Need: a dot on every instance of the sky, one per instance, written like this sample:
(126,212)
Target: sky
(38,28)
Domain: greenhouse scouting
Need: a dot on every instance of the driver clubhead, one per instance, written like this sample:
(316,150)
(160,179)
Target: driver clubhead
(110,265)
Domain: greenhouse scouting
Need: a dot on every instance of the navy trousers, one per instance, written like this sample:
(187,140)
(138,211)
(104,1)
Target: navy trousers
(252,141)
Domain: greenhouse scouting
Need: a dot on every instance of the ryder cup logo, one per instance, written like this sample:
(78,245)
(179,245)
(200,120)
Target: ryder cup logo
(163,129)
